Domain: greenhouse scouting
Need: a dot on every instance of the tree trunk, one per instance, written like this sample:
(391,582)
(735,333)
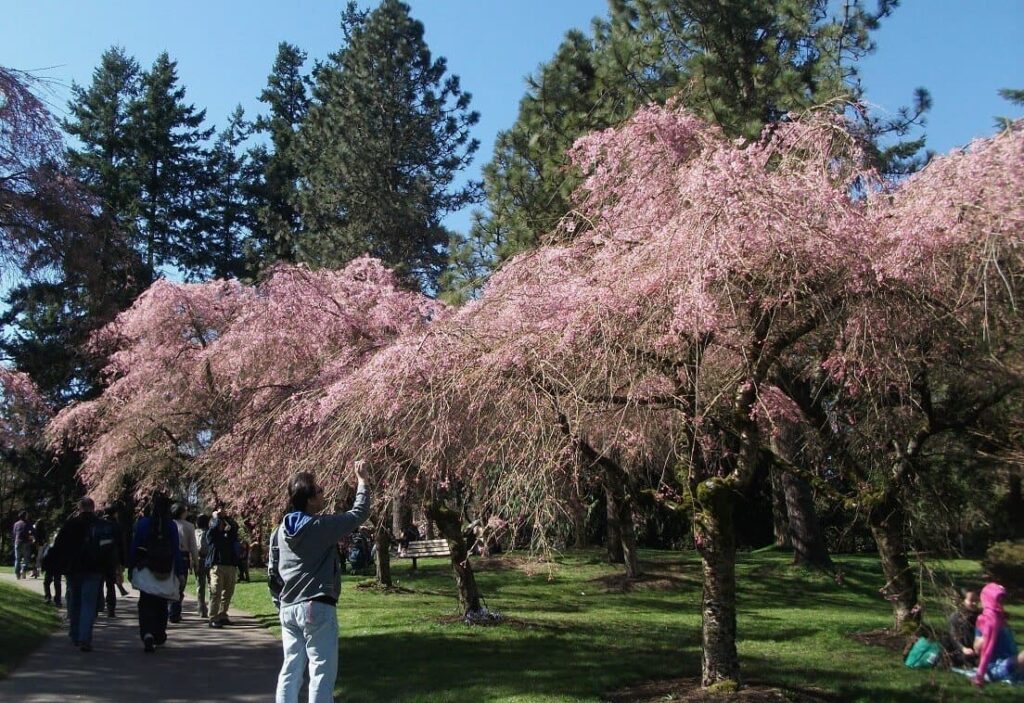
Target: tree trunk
(613,534)
(805,534)
(716,542)
(887,523)
(579,522)
(382,540)
(449,523)
(620,505)
(780,517)
(630,554)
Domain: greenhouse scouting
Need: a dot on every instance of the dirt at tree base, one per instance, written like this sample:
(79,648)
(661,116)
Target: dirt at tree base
(688,690)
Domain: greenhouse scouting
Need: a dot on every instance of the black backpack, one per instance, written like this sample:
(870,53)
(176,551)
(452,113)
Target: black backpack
(274,581)
(157,554)
(99,551)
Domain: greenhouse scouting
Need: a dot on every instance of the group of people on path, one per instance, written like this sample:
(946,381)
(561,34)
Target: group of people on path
(90,553)
(304,573)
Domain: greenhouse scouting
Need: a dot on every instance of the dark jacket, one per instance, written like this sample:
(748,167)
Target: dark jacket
(67,547)
(225,549)
(142,528)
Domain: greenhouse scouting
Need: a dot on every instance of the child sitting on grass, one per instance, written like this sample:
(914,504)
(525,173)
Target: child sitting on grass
(998,658)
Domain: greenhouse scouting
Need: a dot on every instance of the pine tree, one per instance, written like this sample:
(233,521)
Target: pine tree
(740,64)
(275,191)
(229,216)
(169,142)
(386,135)
(100,118)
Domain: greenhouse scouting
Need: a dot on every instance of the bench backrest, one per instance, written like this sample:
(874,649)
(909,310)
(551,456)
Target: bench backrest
(428,548)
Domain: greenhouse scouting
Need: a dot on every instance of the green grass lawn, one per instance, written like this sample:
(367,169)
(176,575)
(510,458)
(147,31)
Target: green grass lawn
(574,635)
(25,621)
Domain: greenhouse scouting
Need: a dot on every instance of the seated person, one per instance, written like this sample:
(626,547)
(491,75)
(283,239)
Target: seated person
(959,639)
(998,658)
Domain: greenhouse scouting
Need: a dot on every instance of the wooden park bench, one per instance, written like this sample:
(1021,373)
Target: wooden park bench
(426,548)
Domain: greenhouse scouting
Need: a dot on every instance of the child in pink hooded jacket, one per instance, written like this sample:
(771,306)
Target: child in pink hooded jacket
(998,657)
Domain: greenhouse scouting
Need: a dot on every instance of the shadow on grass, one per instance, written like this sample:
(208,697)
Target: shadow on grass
(462,663)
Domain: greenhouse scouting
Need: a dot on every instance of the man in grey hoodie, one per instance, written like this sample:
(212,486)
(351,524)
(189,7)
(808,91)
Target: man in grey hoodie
(305,574)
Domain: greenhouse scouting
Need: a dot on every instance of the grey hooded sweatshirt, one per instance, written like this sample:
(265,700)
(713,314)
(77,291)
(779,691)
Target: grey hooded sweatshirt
(308,561)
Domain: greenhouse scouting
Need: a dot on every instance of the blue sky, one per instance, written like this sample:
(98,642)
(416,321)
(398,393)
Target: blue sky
(961,50)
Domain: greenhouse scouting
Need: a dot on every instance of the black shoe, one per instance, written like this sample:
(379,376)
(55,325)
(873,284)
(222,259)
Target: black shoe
(56,604)
(175,620)
(85,647)
(216,624)
(147,644)
(111,613)
(226,621)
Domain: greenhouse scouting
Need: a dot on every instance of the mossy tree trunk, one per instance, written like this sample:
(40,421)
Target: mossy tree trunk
(620,504)
(449,524)
(715,536)
(888,521)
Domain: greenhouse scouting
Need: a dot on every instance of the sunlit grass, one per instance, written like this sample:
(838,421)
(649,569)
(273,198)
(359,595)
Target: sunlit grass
(574,636)
(25,621)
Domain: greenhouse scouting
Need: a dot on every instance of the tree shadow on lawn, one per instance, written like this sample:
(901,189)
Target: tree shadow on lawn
(851,684)
(472,664)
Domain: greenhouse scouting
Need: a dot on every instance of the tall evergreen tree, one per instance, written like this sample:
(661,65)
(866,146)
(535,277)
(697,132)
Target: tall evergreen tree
(169,140)
(105,157)
(275,190)
(738,63)
(228,213)
(378,155)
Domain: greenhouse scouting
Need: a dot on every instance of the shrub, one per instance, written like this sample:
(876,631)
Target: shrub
(1004,562)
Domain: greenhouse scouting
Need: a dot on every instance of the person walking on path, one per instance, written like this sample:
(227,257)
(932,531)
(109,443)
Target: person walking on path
(154,562)
(40,540)
(87,544)
(189,556)
(114,576)
(52,576)
(225,550)
(22,544)
(305,577)
(202,571)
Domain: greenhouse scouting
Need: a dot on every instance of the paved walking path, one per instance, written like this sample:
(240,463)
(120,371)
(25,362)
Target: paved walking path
(237,663)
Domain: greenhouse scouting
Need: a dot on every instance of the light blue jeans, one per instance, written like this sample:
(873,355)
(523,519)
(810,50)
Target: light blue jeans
(309,633)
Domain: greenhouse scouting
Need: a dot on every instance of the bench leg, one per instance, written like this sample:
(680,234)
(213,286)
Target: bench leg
(414,563)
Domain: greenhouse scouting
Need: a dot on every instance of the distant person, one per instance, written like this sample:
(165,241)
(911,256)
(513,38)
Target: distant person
(305,577)
(51,565)
(243,561)
(202,571)
(22,533)
(154,562)
(998,657)
(223,563)
(189,556)
(40,540)
(114,576)
(959,638)
(87,545)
